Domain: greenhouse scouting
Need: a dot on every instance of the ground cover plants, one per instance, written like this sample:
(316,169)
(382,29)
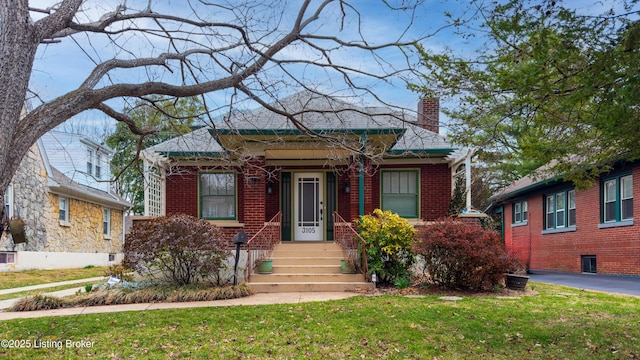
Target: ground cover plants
(551,323)
(133,293)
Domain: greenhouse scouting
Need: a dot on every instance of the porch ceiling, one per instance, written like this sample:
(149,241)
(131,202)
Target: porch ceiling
(296,145)
(302,154)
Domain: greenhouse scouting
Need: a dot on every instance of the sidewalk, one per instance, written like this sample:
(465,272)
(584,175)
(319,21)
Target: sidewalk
(256,299)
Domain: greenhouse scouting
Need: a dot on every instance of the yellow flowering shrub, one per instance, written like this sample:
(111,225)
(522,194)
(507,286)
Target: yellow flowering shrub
(389,240)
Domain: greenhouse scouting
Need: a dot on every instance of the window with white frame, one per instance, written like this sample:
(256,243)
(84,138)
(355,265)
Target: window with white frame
(218,196)
(8,201)
(98,165)
(617,199)
(400,192)
(90,161)
(7,257)
(520,212)
(106,222)
(560,210)
(63,209)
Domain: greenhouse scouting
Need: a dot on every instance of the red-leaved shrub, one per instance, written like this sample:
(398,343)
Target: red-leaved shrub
(457,255)
(179,248)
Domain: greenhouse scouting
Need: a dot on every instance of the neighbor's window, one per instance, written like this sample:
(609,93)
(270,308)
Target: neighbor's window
(106,222)
(8,201)
(98,166)
(400,192)
(63,212)
(617,199)
(218,196)
(7,258)
(520,212)
(89,161)
(560,210)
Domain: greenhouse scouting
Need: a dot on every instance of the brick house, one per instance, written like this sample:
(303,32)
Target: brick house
(256,165)
(72,217)
(549,225)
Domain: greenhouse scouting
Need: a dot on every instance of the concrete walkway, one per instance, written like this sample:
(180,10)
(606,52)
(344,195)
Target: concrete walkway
(256,299)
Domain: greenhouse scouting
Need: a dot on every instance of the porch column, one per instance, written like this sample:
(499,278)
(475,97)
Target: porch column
(361,196)
(254,198)
(354,180)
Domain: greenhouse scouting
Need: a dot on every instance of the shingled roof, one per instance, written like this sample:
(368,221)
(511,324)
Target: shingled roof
(314,114)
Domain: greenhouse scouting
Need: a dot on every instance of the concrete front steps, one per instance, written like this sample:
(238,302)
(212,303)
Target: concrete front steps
(307,267)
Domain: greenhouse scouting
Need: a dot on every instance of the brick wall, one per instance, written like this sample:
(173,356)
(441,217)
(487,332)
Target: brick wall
(182,192)
(435,189)
(617,250)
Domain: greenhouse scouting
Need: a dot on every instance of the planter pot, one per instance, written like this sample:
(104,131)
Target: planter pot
(344,268)
(516,282)
(265,267)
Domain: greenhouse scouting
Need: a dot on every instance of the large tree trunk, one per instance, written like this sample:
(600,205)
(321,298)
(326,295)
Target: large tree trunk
(17,51)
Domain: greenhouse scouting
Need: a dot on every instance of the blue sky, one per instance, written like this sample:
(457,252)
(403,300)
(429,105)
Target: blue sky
(61,67)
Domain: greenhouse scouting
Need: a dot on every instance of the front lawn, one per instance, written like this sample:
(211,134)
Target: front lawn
(555,323)
(16,279)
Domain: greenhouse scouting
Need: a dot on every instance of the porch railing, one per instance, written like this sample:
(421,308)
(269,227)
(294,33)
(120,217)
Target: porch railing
(351,243)
(261,245)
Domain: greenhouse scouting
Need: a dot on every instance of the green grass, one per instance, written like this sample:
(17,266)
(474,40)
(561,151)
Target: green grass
(44,291)
(557,323)
(15,279)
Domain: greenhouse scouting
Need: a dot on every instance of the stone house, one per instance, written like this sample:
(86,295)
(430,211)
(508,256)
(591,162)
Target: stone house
(256,166)
(62,192)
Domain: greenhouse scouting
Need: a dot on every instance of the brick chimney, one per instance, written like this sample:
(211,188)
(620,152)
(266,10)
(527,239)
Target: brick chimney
(429,114)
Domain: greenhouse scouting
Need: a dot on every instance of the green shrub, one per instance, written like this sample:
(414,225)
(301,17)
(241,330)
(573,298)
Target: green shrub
(389,238)
(462,256)
(177,248)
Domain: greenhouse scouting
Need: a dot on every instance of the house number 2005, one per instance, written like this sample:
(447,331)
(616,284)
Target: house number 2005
(308,230)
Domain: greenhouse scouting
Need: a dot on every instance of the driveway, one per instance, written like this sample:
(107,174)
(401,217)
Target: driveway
(627,285)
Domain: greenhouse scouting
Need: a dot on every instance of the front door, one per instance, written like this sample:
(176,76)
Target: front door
(308,197)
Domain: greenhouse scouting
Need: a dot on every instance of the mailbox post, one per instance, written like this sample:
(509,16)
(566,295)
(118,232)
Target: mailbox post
(238,239)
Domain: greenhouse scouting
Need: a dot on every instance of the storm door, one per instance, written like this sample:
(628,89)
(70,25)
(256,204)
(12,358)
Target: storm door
(308,197)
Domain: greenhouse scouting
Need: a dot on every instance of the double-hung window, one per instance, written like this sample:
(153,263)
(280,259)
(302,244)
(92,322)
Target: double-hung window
(560,210)
(617,199)
(90,161)
(218,196)
(400,192)
(63,210)
(520,212)
(106,222)
(98,165)
(8,202)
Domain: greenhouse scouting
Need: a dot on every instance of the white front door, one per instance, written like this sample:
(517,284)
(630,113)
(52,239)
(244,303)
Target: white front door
(308,205)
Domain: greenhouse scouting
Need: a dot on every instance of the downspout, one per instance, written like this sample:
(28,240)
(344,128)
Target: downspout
(363,140)
(123,230)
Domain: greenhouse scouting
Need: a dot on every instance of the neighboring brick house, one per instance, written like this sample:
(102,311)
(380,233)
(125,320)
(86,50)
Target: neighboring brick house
(550,225)
(61,190)
(256,164)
